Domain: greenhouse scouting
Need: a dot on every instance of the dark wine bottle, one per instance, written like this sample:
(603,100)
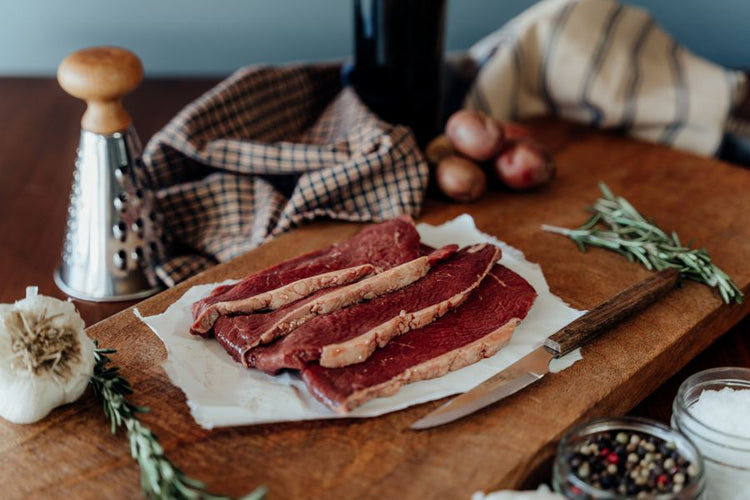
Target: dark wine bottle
(398,61)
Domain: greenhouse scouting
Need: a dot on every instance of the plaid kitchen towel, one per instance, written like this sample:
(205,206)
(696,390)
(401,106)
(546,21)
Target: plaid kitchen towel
(606,64)
(267,149)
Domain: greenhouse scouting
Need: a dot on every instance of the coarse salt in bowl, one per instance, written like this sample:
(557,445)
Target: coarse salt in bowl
(712,408)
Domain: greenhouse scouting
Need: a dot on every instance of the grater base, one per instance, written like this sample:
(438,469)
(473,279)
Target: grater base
(78,294)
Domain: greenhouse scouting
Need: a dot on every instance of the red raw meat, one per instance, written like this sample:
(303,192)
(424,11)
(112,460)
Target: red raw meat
(382,245)
(477,329)
(350,335)
(238,334)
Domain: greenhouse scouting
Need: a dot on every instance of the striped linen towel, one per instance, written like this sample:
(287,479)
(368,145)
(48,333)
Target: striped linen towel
(267,149)
(606,64)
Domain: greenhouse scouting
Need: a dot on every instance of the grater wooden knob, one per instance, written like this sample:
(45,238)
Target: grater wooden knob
(114,238)
(101,76)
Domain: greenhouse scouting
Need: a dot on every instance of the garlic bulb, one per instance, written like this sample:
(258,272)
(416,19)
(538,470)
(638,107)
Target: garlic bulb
(46,359)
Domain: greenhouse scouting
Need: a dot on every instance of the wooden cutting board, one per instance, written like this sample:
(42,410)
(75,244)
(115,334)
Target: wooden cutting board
(71,453)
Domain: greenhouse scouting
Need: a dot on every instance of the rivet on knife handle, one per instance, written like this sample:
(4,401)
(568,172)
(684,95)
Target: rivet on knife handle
(611,311)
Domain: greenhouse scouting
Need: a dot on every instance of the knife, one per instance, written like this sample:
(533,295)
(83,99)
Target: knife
(535,365)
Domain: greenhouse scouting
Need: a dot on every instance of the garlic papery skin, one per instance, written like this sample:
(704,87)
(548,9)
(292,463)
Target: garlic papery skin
(46,358)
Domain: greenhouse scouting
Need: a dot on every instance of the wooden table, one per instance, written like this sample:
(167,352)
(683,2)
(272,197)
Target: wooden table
(71,453)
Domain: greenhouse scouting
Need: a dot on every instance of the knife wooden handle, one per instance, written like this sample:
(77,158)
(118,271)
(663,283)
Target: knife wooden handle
(612,310)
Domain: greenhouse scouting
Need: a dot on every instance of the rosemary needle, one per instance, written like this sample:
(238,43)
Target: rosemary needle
(159,477)
(616,225)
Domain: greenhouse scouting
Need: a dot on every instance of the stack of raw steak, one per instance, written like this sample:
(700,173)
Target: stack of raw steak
(361,318)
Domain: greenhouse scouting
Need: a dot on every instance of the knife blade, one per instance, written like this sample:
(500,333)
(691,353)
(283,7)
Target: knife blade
(535,365)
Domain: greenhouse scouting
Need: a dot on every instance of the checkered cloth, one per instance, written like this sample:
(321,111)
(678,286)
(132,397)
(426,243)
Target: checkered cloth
(268,149)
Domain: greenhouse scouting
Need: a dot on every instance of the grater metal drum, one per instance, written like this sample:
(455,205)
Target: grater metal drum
(113,237)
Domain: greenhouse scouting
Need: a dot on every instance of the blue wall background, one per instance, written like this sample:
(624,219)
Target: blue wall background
(204,37)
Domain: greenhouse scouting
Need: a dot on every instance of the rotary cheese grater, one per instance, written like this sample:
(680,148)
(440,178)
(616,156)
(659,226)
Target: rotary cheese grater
(113,237)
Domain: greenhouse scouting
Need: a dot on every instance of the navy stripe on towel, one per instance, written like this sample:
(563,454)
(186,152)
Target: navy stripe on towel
(681,97)
(557,28)
(628,114)
(595,65)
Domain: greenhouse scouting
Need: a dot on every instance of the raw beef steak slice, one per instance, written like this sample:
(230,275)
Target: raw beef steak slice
(382,245)
(351,335)
(279,297)
(238,334)
(477,329)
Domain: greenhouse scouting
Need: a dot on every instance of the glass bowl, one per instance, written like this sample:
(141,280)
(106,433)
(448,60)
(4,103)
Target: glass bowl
(726,455)
(566,481)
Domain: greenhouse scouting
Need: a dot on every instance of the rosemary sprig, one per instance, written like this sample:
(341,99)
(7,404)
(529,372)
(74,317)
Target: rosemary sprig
(159,477)
(618,226)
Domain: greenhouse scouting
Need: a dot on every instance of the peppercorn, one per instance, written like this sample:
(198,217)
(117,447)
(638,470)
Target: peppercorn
(692,470)
(630,463)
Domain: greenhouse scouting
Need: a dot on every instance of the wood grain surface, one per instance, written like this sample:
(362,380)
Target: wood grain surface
(101,76)
(71,454)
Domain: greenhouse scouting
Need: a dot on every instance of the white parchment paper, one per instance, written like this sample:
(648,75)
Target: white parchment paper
(221,392)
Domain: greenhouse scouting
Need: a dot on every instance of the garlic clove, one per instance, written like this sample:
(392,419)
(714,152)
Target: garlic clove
(46,358)
(24,400)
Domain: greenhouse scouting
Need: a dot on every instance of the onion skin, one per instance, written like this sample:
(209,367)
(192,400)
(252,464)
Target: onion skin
(460,179)
(438,148)
(475,135)
(524,164)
